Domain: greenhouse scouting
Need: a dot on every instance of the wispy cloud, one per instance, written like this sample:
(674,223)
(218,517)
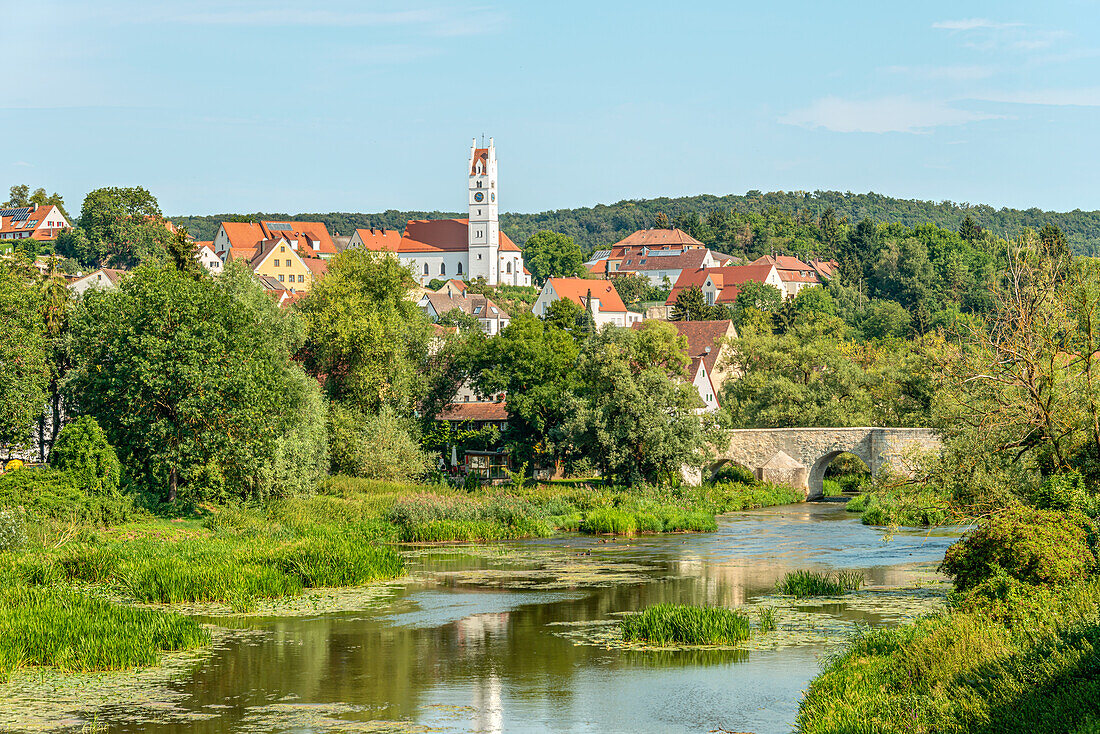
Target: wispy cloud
(961,73)
(885,115)
(22,164)
(1083,97)
(972,24)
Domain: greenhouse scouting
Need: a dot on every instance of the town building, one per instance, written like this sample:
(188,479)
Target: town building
(599,295)
(40,222)
(103,279)
(721,285)
(793,273)
(465,249)
(825,268)
(491,317)
(708,349)
(204,253)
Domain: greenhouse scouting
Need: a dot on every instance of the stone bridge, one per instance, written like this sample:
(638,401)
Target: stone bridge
(800,456)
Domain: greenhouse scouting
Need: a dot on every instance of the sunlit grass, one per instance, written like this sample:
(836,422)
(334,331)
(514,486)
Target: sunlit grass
(688,625)
(801,584)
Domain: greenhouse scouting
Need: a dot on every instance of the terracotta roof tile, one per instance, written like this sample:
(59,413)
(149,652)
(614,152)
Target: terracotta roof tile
(474,412)
(576,290)
(727,279)
(652,237)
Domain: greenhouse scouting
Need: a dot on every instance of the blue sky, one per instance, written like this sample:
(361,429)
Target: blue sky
(363,106)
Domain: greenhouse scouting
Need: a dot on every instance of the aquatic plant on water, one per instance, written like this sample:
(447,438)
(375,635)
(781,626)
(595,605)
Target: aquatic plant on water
(801,584)
(689,625)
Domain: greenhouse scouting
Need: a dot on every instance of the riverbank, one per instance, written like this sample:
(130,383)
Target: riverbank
(235,558)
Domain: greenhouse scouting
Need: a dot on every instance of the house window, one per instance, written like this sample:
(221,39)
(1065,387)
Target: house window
(442,268)
(301,278)
(282,248)
(276,263)
(280,277)
(426,269)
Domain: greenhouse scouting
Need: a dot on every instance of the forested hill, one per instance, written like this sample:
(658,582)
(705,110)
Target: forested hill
(607,223)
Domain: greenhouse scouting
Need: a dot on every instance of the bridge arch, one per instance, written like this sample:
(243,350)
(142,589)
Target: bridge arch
(800,456)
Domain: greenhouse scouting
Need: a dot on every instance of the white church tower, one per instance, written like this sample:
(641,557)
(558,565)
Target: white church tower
(484,233)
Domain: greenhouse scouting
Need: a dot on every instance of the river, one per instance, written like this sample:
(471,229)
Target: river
(519,637)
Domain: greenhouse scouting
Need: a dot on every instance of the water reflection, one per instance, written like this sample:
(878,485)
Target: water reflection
(451,654)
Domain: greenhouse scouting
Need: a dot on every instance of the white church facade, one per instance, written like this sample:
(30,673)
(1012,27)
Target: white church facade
(466,249)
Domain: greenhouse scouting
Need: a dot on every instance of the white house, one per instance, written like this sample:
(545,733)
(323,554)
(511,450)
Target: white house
(103,279)
(793,273)
(607,307)
(466,249)
(700,378)
(491,317)
(204,253)
(42,223)
(721,285)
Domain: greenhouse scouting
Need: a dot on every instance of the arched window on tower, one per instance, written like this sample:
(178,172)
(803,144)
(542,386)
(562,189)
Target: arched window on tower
(508,267)
(442,268)
(426,269)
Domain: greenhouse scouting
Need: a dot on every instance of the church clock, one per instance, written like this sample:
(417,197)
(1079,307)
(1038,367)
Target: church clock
(479,197)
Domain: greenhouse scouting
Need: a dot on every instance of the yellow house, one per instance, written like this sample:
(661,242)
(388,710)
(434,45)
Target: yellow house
(278,259)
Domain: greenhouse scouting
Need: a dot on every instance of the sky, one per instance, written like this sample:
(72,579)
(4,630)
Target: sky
(259,105)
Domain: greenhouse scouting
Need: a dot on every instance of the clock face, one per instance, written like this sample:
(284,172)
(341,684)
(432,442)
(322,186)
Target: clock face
(479,197)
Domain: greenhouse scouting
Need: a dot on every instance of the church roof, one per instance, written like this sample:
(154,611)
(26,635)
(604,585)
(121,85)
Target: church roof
(443,235)
(480,154)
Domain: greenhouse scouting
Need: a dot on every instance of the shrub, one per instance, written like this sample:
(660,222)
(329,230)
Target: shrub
(1031,545)
(831,488)
(374,447)
(1065,492)
(734,473)
(82,451)
(13,529)
(675,623)
(44,493)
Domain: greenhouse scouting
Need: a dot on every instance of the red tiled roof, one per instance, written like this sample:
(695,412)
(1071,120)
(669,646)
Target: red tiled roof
(242,234)
(445,235)
(790,269)
(825,268)
(380,240)
(692,259)
(484,308)
(701,336)
(474,412)
(726,279)
(653,237)
(314,230)
(40,229)
(480,154)
(316,265)
(577,289)
(454,285)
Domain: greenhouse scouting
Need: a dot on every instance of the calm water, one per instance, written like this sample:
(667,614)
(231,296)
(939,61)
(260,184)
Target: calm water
(471,644)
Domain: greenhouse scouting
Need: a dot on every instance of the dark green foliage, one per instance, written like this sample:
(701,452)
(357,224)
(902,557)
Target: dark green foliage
(24,366)
(552,255)
(192,381)
(374,447)
(21,195)
(665,624)
(82,451)
(49,494)
(801,584)
(1031,545)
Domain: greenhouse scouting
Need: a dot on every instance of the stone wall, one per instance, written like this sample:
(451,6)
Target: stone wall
(813,449)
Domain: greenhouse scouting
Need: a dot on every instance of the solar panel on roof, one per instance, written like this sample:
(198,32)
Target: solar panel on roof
(279,227)
(17,213)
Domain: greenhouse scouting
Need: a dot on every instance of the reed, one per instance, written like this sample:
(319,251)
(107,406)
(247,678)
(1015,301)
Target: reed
(688,625)
(765,620)
(71,631)
(801,584)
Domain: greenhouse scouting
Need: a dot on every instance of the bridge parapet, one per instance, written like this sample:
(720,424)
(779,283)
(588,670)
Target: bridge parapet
(800,456)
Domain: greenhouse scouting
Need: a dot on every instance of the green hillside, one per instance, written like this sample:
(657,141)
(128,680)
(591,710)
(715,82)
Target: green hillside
(603,224)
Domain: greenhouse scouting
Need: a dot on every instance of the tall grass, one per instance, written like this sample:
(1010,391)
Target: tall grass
(801,584)
(688,625)
(1025,662)
(71,631)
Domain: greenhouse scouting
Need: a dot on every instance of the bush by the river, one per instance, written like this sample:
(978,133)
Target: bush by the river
(665,624)
(46,493)
(1032,545)
(1029,663)
(896,508)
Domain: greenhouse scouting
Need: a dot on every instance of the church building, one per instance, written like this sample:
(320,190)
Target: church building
(465,249)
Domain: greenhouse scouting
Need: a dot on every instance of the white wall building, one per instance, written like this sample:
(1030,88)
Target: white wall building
(607,307)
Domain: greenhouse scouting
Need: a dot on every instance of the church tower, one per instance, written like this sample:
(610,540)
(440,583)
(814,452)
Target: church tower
(483,239)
